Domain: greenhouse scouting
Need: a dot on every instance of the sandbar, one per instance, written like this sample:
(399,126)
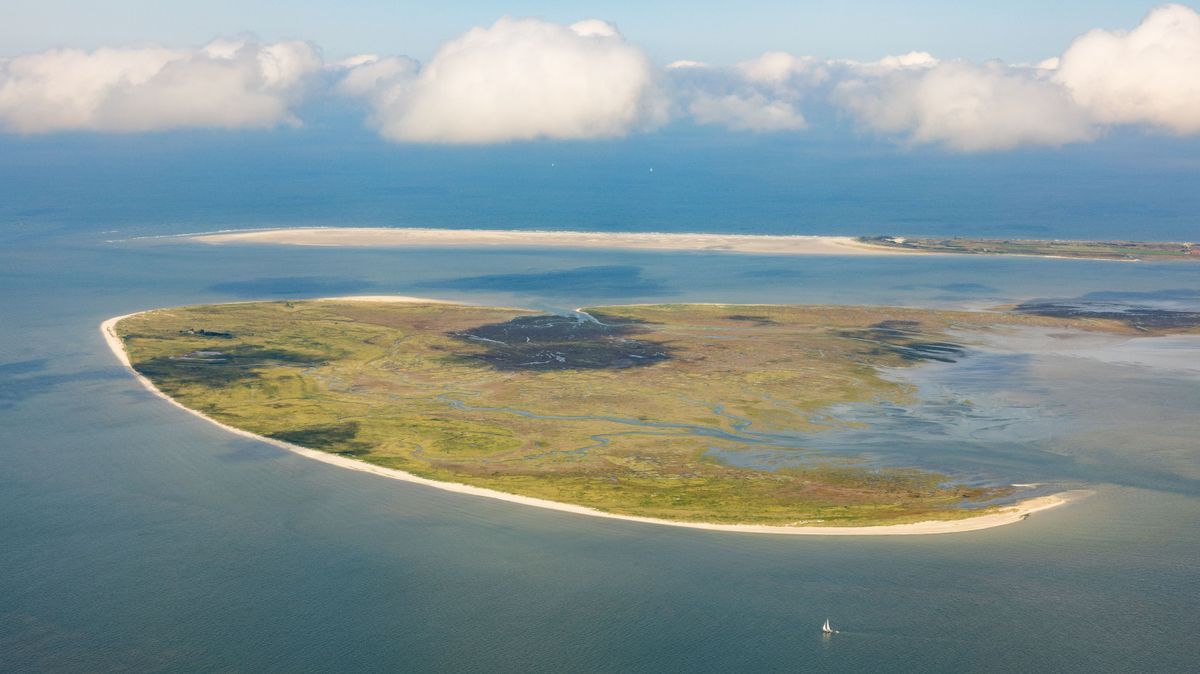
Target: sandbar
(1008,515)
(392,237)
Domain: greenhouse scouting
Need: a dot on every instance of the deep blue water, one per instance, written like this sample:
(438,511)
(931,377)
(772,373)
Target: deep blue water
(136,537)
(1128,186)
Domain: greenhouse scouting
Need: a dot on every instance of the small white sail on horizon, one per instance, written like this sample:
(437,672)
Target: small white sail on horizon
(826,629)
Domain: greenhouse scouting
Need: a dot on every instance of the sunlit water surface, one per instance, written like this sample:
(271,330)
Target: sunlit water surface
(134,536)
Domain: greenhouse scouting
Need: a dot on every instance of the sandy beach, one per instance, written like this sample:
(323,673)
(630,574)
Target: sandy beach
(384,237)
(1009,515)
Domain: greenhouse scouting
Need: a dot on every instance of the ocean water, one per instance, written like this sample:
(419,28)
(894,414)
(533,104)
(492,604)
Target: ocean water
(1137,187)
(136,537)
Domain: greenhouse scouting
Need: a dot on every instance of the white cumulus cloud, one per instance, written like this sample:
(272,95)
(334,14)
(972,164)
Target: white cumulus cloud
(226,84)
(912,58)
(1149,75)
(527,79)
(777,67)
(746,112)
(686,63)
(966,107)
(515,80)
(760,95)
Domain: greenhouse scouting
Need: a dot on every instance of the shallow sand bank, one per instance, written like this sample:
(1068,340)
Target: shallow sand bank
(1009,515)
(386,237)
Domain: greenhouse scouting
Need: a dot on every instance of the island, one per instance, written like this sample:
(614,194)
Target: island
(637,411)
(761,244)
(1091,250)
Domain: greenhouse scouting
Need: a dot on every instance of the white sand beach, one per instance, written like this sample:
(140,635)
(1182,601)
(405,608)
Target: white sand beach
(387,237)
(1009,515)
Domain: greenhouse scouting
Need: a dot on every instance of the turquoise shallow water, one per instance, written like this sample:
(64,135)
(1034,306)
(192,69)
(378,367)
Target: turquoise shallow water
(136,537)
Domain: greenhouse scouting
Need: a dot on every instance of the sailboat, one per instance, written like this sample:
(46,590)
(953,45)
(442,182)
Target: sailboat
(826,629)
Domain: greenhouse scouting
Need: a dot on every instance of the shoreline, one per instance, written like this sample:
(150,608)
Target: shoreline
(425,237)
(1009,515)
(697,242)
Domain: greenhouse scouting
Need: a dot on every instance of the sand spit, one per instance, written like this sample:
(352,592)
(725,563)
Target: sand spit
(1009,515)
(386,237)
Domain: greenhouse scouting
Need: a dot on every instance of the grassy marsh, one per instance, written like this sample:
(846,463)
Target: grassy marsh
(620,414)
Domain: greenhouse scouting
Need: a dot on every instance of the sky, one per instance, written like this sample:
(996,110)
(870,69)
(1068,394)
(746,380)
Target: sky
(953,76)
(718,31)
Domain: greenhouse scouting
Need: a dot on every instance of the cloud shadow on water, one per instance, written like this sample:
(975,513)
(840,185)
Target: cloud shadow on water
(953,288)
(774,274)
(22,380)
(292,286)
(595,281)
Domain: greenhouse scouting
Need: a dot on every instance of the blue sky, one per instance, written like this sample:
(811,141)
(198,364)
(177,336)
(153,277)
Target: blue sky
(710,30)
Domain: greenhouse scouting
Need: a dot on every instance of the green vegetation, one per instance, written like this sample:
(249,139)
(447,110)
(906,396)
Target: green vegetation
(1108,250)
(628,414)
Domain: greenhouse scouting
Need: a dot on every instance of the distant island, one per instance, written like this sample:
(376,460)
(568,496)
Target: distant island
(627,411)
(763,244)
(1095,250)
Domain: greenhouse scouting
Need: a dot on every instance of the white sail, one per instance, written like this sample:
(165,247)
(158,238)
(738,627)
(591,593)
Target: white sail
(826,628)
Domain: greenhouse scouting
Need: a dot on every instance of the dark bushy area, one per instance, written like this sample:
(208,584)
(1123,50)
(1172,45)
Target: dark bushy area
(219,368)
(333,438)
(1135,316)
(563,343)
(903,338)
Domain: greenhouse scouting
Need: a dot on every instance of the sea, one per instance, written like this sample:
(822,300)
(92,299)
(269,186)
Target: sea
(136,537)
